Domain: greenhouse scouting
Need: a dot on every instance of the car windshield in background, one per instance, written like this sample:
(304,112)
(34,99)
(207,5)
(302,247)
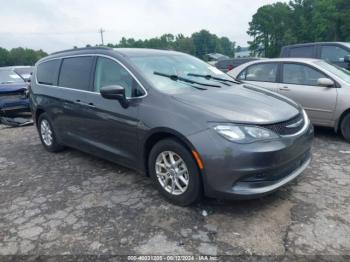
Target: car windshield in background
(336,70)
(9,77)
(347,45)
(24,72)
(182,66)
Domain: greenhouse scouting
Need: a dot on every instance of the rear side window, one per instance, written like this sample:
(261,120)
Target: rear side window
(266,72)
(47,72)
(76,72)
(333,53)
(304,51)
(298,74)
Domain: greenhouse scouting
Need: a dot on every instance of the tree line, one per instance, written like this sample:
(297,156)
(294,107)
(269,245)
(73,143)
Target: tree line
(20,56)
(198,44)
(298,21)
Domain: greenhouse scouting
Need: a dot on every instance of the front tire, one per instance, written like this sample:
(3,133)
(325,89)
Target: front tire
(47,134)
(175,173)
(345,127)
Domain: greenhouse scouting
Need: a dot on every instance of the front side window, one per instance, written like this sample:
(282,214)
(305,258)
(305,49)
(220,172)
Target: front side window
(265,72)
(333,53)
(298,74)
(109,72)
(76,72)
(47,72)
(336,70)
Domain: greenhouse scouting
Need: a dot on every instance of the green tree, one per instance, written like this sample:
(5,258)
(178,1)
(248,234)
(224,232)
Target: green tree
(20,56)
(343,7)
(299,21)
(270,29)
(4,57)
(198,44)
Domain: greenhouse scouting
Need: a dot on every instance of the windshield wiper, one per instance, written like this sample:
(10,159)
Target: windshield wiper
(183,79)
(209,77)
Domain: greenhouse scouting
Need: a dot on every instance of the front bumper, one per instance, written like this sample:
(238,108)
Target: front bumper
(12,106)
(245,171)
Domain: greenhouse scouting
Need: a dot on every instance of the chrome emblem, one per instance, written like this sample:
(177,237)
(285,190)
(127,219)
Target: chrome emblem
(296,124)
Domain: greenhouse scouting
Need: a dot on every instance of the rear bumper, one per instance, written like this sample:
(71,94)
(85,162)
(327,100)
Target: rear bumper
(246,171)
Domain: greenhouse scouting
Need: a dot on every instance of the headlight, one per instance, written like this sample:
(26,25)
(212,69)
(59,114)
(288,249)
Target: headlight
(244,134)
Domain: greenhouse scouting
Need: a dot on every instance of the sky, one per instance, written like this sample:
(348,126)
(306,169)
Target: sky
(54,25)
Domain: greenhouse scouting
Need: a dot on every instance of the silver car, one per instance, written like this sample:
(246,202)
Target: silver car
(321,88)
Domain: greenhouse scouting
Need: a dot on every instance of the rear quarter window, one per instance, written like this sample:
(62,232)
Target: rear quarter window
(47,72)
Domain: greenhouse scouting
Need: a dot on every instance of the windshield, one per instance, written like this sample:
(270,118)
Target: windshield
(338,71)
(181,65)
(9,77)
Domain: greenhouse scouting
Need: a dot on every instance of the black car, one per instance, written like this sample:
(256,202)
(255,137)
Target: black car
(226,65)
(187,125)
(337,53)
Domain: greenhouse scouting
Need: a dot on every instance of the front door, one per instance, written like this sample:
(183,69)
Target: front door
(112,128)
(300,83)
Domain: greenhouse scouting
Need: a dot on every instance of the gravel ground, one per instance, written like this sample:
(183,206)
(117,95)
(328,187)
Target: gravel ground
(72,203)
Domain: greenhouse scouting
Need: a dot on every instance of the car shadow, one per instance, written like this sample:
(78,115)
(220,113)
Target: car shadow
(327,132)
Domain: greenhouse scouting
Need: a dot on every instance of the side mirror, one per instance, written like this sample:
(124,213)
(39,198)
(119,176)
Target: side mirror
(114,92)
(347,59)
(326,82)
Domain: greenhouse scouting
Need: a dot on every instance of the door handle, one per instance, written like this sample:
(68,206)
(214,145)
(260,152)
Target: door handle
(90,104)
(285,88)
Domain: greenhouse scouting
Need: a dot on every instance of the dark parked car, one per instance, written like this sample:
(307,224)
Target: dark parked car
(226,65)
(184,123)
(13,89)
(337,53)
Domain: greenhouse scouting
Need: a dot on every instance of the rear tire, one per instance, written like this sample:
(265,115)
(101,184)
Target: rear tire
(345,127)
(174,172)
(47,134)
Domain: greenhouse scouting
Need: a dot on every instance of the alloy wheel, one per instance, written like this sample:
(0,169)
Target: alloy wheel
(46,132)
(172,172)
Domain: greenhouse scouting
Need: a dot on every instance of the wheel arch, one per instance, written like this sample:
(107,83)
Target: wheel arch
(159,134)
(37,114)
(340,119)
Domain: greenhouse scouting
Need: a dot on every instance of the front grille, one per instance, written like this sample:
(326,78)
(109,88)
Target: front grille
(288,127)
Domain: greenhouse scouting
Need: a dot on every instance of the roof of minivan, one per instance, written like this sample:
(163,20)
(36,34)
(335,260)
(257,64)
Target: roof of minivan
(122,51)
(143,51)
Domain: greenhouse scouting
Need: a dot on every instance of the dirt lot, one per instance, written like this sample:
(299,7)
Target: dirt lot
(73,203)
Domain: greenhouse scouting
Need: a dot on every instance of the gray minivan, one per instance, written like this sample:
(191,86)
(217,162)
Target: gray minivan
(182,122)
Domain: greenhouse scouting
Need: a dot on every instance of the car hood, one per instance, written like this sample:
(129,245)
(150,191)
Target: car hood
(242,104)
(12,88)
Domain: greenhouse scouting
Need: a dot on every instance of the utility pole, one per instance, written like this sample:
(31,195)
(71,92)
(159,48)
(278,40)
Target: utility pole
(101,31)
